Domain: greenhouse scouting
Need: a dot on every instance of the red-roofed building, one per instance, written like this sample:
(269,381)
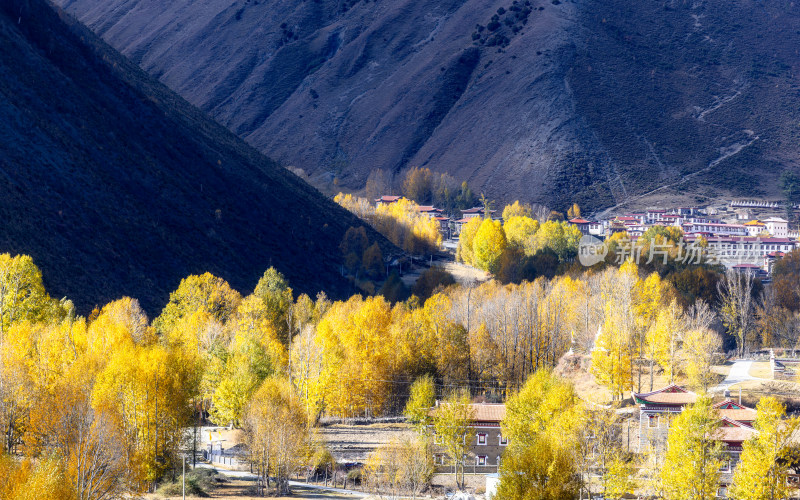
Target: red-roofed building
(386,200)
(658,408)
(736,411)
(587,226)
(430,210)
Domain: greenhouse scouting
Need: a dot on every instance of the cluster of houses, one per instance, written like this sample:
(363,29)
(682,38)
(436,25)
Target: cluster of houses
(748,244)
(656,412)
(448,226)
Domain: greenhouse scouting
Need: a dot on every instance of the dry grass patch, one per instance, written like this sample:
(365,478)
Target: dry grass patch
(761,369)
(723,370)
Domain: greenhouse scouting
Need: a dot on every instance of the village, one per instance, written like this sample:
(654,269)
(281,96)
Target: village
(637,427)
(747,235)
(748,238)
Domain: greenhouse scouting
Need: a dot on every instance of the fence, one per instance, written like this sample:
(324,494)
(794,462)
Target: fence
(223,459)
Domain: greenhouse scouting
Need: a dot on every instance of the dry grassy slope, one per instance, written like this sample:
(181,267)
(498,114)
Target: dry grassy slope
(600,101)
(116,186)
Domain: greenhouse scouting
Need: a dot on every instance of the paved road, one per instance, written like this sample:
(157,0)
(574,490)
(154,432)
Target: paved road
(739,373)
(247,476)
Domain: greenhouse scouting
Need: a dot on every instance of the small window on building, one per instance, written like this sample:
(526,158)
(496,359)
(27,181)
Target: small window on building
(722,492)
(438,459)
(725,466)
(481,438)
(481,460)
(652,421)
(503,440)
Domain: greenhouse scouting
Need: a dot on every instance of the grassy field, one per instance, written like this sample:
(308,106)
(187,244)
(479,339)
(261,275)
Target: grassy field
(761,369)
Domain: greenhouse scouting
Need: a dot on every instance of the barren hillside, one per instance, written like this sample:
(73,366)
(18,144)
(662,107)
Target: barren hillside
(596,101)
(117,186)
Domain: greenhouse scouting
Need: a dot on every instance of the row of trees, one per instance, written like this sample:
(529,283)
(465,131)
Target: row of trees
(643,326)
(400,222)
(107,397)
(522,247)
(100,405)
(424,187)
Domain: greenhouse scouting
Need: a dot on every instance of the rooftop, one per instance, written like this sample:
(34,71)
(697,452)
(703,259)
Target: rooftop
(732,431)
(482,412)
(735,411)
(673,394)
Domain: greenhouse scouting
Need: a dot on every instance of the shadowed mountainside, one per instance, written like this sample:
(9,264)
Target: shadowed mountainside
(117,186)
(596,101)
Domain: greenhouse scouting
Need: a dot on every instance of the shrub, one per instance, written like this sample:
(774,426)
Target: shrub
(354,476)
(199,482)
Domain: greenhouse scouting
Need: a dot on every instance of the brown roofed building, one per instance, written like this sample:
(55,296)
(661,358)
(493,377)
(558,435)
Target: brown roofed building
(486,440)
(656,411)
(659,408)
(386,200)
(737,412)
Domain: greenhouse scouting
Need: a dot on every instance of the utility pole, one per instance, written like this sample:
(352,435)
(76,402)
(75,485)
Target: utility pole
(183,486)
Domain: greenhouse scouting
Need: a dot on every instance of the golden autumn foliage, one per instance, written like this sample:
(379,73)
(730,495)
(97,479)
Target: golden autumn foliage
(277,433)
(764,469)
(691,468)
(400,222)
(488,246)
(542,425)
(99,407)
(519,232)
(464,251)
(517,209)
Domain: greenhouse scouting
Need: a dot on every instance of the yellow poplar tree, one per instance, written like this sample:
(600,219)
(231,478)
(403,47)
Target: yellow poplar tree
(519,232)
(422,398)
(517,209)
(356,367)
(22,293)
(147,391)
(278,433)
(451,422)
(464,251)
(542,424)
(205,292)
(488,246)
(764,468)
(691,468)
(699,346)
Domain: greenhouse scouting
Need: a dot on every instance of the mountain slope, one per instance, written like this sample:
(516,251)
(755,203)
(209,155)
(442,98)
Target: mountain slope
(600,101)
(117,186)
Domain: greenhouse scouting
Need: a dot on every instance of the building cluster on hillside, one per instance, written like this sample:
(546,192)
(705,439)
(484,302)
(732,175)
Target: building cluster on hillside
(735,237)
(737,241)
(449,227)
